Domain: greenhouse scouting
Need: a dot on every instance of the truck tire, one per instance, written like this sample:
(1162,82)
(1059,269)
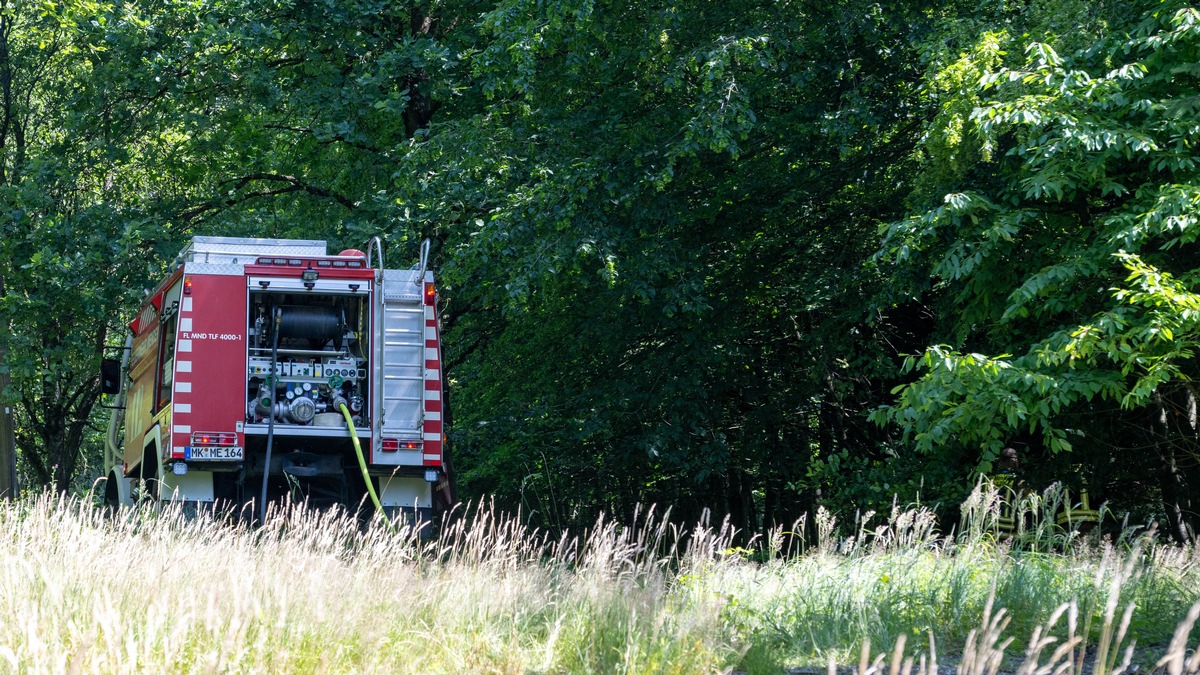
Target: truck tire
(112,496)
(151,474)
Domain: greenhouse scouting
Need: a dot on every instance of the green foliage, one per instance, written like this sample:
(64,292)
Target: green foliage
(1064,248)
(655,296)
(78,137)
(654,225)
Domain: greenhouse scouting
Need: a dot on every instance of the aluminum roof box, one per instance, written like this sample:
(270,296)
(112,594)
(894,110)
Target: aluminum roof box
(241,249)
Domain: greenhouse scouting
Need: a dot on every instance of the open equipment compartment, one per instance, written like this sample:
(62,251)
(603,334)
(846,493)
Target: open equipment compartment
(320,338)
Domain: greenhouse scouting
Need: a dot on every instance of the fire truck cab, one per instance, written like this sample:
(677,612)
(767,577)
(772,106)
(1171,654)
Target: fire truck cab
(270,362)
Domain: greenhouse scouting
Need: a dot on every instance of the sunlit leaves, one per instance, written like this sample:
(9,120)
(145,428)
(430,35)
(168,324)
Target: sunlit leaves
(1073,249)
(978,401)
(1152,335)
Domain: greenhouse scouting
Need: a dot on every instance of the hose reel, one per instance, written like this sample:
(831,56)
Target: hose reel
(317,324)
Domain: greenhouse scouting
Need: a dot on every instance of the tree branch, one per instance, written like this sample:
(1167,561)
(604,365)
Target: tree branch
(293,184)
(306,130)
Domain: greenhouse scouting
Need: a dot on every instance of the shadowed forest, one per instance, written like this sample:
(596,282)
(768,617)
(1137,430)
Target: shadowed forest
(754,257)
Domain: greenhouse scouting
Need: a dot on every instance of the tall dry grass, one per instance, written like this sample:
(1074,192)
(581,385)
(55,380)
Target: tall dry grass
(155,591)
(149,590)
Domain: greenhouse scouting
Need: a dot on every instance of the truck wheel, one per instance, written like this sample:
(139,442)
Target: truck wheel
(112,497)
(151,475)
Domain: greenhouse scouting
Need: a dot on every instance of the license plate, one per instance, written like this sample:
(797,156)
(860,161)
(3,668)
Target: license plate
(218,452)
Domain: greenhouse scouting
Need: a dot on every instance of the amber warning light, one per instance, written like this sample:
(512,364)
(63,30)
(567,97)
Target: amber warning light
(430,294)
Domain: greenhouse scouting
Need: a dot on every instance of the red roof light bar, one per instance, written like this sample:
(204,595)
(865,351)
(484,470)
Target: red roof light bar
(300,262)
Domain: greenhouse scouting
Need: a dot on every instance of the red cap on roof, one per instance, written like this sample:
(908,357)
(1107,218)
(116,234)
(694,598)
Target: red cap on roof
(352,253)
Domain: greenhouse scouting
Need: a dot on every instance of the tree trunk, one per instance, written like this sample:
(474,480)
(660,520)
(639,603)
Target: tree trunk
(739,503)
(419,111)
(1175,425)
(1171,485)
(8,441)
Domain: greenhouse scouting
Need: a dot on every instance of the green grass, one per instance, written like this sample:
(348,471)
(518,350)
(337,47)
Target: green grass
(898,580)
(151,590)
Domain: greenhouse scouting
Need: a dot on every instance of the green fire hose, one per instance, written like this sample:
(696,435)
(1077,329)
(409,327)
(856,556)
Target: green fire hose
(362,462)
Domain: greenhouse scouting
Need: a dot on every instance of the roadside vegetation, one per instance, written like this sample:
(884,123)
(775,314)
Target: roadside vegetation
(149,590)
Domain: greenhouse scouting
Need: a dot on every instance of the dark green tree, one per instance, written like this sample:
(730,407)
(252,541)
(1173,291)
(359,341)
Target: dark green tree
(654,225)
(74,147)
(1062,255)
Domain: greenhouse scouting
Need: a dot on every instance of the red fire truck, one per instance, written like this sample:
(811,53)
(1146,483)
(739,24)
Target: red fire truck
(265,368)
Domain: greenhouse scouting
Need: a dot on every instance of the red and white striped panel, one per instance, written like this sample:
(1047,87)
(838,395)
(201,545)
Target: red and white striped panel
(181,399)
(432,451)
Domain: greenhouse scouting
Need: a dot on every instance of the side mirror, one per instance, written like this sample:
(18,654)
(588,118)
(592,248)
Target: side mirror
(110,376)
